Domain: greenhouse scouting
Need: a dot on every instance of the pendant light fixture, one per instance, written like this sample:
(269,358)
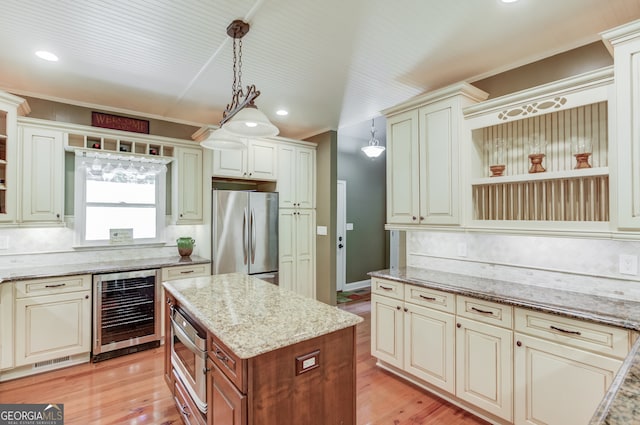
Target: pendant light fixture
(241,118)
(373,149)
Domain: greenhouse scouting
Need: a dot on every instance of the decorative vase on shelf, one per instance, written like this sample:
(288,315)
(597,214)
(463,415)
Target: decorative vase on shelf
(581,147)
(537,147)
(185,246)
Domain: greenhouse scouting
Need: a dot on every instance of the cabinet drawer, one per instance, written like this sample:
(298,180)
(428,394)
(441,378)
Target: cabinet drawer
(387,288)
(485,311)
(180,272)
(50,286)
(232,366)
(432,298)
(187,408)
(594,337)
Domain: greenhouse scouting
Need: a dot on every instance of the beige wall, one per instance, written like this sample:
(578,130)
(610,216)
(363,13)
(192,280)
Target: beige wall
(63,112)
(326,214)
(573,62)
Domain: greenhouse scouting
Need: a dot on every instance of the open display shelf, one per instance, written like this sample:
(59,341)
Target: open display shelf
(3,162)
(552,120)
(107,143)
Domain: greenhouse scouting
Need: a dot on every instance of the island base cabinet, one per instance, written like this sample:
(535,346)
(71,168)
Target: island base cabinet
(556,384)
(187,408)
(226,405)
(312,382)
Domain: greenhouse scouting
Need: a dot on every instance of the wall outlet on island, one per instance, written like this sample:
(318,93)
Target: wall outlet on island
(628,264)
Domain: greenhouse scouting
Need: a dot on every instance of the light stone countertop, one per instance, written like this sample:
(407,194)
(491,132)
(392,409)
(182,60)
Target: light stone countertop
(23,272)
(251,316)
(621,404)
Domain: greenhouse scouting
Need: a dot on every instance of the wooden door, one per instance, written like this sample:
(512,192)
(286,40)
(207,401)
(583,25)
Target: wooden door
(226,405)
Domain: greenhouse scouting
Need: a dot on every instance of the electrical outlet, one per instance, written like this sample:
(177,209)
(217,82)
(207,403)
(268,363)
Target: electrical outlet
(628,264)
(462,249)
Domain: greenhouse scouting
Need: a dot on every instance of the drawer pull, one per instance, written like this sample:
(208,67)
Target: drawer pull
(187,271)
(185,410)
(220,355)
(477,310)
(57,285)
(424,297)
(564,331)
(386,288)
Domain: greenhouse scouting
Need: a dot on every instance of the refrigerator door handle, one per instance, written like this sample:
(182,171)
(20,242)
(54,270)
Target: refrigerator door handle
(253,237)
(244,235)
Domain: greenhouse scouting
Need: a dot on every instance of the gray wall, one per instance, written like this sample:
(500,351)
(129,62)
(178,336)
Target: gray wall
(367,243)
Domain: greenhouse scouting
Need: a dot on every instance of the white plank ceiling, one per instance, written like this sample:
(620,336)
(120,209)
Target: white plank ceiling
(331,63)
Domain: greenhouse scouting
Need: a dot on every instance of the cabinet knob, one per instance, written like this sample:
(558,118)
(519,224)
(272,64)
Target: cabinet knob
(421,218)
(406,309)
(57,215)
(458,325)
(414,218)
(398,307)
(86,297)
(519,343)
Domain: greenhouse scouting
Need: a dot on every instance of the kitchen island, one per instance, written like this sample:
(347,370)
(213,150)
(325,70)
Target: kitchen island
(274,357)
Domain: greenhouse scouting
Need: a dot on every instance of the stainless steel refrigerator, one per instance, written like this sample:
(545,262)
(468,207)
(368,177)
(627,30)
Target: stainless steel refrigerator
(245,233)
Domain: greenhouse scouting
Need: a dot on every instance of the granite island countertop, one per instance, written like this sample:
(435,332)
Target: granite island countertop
(621,405)
(251,316)
(22,272)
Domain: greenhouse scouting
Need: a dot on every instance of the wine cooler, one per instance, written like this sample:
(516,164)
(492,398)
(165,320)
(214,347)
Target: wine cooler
(126,313)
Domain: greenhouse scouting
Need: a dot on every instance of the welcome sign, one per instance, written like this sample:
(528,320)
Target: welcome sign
(116,122)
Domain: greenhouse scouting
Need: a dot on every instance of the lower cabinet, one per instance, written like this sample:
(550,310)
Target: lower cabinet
(484,366)
(509,365)
(226,404)
(297,242)
(52,319)
(6,325)
(551,361)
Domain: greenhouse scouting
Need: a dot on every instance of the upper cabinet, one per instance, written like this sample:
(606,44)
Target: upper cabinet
(296,176)
(624,41)
(42,175)
(257,162)
(189,185)
(10,108)
(539,159)
(423,157)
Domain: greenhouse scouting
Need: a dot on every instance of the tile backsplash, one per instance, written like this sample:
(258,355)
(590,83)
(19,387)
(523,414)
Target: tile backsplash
(576,264)
(54,245)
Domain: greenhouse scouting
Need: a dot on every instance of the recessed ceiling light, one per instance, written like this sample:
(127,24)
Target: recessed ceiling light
(508,1)
(282,112)
(48,56)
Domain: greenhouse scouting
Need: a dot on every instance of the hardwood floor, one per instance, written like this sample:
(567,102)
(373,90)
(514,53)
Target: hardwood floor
(131,390)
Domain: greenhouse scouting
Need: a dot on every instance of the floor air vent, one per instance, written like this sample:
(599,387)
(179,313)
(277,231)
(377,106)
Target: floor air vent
(51,362)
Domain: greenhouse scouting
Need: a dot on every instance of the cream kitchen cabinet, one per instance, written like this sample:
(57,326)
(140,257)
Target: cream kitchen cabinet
(423,159)
(52,321)
(10,108)
(560,356)
(297,242)
(257,162)
(625,43)
(189,185)
(413,329)
(6,325)
(296,176)
(484,355)
(42,184)
(551,123)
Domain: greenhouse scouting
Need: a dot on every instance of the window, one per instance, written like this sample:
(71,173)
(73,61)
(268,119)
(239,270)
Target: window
(119,199)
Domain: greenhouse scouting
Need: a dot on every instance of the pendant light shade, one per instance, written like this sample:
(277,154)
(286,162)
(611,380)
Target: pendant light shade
(250,122)
(221,139)
(373,149)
